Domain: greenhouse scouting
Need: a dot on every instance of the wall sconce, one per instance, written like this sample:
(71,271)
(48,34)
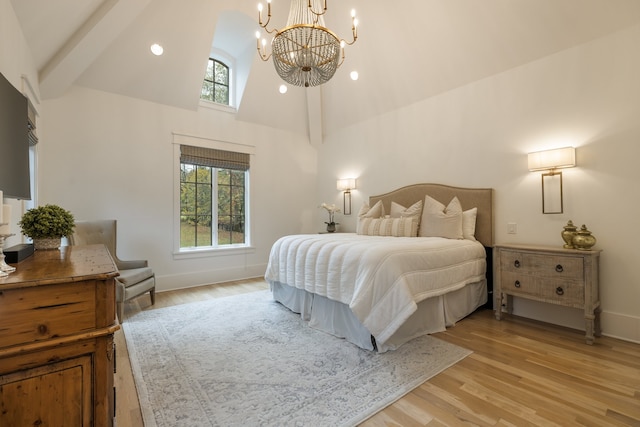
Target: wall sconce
(346,185)
(552,160)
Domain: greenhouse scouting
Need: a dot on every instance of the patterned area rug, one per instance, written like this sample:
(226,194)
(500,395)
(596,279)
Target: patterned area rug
(246,360)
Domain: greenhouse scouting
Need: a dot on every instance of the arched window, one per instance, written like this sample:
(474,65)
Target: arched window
(215,87)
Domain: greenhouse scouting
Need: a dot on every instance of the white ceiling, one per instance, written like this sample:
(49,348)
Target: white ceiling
(407,50)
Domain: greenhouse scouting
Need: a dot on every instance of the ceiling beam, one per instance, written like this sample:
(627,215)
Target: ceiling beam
(314,113)
(86,44)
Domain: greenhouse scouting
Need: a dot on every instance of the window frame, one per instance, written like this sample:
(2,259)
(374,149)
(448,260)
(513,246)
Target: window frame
(212,187)
(230,63)
(209,251)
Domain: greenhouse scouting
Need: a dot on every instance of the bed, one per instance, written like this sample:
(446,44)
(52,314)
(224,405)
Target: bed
(379,289)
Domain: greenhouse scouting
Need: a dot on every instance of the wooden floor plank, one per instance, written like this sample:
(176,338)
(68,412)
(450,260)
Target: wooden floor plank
(521,373)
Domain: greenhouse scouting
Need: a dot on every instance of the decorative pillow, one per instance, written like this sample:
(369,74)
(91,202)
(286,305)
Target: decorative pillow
(377,211)
(440,221)
(396,227)
(399,211)
(469,224)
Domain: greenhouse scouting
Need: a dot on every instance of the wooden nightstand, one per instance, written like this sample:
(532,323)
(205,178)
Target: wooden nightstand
(566,277)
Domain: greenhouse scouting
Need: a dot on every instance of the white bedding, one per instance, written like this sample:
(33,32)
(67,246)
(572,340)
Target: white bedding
(381,279)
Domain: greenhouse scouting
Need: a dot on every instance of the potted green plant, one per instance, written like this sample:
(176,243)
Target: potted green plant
(46,225)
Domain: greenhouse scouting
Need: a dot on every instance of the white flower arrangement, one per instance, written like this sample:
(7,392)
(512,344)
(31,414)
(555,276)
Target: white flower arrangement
(332,210)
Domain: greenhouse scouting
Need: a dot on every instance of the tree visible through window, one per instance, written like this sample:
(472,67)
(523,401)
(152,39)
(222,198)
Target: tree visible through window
(215,87)
(212,197)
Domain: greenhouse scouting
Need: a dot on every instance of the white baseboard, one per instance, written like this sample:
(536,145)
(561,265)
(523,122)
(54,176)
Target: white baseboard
(614,325)
(621,326)
(200,278)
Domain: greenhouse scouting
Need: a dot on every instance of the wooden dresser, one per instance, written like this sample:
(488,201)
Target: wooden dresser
(57,319)
(566,277)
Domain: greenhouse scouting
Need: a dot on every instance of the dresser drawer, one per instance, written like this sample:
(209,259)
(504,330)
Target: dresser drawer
(560,267)
(565,292)
(40,313)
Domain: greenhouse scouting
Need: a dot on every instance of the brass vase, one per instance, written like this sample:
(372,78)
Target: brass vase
(568,232)
(583,240)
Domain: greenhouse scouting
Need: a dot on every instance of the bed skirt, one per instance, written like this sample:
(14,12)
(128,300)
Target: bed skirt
(433,314)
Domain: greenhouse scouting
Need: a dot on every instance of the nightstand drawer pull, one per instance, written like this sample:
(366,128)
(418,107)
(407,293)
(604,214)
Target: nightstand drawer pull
(559,290)
(517,283)
(516,264)
(559,268)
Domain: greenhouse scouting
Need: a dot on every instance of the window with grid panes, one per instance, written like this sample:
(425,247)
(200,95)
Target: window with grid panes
(215,87)
(213,197)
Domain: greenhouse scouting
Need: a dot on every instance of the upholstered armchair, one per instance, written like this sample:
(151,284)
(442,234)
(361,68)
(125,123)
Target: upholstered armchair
(136,278)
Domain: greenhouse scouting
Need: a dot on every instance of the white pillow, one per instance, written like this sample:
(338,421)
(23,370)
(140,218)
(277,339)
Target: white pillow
(440,221)
(377,211)
(399,211)
(469,224)
(396,227)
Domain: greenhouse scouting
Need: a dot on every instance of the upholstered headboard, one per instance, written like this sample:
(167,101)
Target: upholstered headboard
(482,198)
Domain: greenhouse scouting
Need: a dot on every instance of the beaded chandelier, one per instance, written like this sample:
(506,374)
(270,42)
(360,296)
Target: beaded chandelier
(305,53)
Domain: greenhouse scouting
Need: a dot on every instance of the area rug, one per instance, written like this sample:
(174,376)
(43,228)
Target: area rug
(245,360)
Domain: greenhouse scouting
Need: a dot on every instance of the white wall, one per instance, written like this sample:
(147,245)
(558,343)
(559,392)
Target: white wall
(478,136)
(15,56)
(107,156)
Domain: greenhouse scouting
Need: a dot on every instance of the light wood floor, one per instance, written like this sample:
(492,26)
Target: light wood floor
(521,373)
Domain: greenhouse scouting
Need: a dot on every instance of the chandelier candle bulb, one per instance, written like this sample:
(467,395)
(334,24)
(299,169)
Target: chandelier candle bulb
(268,14)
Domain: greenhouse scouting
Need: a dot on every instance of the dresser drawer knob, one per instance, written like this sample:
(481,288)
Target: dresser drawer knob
(517,283)
(559,268)
(516,263)
(559,290)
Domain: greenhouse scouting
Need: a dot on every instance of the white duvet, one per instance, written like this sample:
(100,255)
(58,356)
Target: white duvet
(380,278)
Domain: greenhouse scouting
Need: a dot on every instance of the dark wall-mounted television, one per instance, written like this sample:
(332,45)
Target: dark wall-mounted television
(15,177)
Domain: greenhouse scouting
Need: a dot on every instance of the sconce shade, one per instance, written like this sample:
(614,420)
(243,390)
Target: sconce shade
(346,184)
(552,159)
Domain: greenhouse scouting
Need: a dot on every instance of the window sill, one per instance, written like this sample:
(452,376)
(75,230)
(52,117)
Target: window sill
(215,106)
(212,252)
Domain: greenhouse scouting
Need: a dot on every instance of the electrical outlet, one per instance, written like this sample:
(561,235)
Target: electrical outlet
(512,228)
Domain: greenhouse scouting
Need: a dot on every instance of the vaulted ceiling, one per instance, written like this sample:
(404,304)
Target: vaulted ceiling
(407,50)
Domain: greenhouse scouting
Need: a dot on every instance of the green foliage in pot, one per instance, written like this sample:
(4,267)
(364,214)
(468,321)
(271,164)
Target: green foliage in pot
(48,221)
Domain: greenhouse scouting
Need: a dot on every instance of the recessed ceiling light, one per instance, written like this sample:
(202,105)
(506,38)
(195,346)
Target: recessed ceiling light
(354,75)
(283,88)
(156,49)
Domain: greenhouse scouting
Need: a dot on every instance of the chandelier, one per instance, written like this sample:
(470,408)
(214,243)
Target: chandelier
(305,52)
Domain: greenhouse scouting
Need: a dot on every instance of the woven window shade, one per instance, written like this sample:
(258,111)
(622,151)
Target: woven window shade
(211,157)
